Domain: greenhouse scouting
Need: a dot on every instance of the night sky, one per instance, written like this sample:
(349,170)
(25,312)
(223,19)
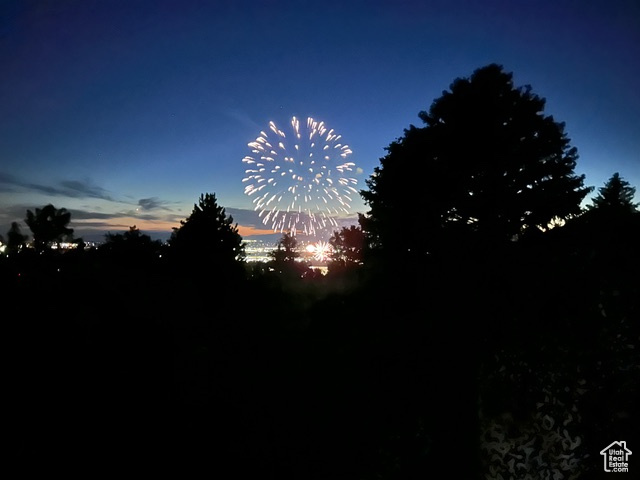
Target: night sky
(124,112)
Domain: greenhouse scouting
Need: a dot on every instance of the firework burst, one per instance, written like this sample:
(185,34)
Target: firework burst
(300,179)
(321,251)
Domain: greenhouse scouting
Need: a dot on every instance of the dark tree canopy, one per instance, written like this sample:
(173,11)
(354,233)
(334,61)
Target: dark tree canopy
(208,235)
(487,161)
(610,225)
(285,258)
(132,246)
(348,244)
(133,236)
(49,225)
(286,250)
(15,238)
(616,196)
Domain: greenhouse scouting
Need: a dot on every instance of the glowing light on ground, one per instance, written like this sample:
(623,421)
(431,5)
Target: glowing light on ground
(321,251)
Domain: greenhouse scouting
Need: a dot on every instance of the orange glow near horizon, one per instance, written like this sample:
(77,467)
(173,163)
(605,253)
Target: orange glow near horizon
(124,223)
(156,226)
(246,231)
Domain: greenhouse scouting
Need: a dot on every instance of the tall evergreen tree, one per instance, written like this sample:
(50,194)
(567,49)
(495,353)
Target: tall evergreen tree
(615,196)
(208,236)
(487,161)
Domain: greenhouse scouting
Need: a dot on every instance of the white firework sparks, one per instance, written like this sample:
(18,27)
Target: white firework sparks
(321,251)
(300,178)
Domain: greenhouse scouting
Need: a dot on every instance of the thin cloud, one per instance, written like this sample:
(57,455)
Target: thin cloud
(89,215)
(153,203)
(244,216)
(63,188)
(106,226)
(134,214)
(7,182)
(86,189)
(13,213)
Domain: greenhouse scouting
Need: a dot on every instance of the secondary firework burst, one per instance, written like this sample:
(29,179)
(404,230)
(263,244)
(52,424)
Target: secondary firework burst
(300,178)
(321,251)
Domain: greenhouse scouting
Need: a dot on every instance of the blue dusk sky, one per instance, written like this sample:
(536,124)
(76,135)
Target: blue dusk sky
(124,112)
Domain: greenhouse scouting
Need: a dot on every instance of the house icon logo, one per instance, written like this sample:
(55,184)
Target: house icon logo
(616,457)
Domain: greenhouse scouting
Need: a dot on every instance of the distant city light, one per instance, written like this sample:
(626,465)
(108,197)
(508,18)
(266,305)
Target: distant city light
(314,253)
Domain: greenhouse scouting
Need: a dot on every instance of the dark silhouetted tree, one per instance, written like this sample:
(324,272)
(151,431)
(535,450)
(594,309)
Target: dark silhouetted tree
(286,249)
(208,236)
(348,244)
(49,225)
(285,257)
(80,244)
(616,196)
(15,239)
(611,220)
(609,231)
(487,167)
(487,161)
(602,245)
(132,246)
